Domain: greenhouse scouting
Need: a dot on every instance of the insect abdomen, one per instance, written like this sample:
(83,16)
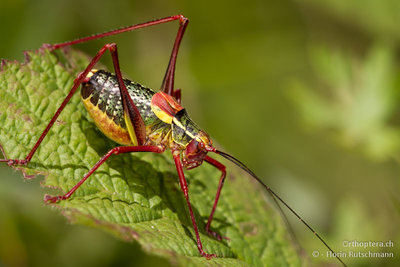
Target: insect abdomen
(102,99)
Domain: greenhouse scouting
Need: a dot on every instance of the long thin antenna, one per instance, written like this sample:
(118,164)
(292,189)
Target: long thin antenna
(274,195)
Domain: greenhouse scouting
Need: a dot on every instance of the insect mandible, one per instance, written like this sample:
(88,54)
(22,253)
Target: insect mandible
(142,120)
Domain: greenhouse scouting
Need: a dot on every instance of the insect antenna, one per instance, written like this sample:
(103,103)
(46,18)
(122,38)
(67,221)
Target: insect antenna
(275,196)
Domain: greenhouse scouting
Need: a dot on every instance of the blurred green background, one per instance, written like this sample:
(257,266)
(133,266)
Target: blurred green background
(305,92)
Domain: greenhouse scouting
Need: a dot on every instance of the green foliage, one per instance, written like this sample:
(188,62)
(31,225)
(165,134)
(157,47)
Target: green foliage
(135,196)
(357,100)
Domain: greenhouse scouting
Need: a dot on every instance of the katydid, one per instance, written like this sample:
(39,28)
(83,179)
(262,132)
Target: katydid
(142,120)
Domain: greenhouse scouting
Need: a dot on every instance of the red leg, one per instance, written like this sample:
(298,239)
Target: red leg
(77,82)
(177,95)
(222,168)
(118,31)
(136,122)
(130,108)
(167,85)
(183,184)
(115,151)
(81,78)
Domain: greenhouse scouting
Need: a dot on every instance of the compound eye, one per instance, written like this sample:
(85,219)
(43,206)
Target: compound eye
(200,145)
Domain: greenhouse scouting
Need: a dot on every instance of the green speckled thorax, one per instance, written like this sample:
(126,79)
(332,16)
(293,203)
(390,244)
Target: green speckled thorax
(102,98)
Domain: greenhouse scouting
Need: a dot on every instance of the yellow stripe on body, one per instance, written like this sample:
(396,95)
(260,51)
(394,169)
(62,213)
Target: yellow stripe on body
(91,73)
(180,125)
(107,125)
(131,129)
(162,115)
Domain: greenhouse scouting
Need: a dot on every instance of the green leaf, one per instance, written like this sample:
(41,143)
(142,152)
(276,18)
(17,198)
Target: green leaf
(132,196)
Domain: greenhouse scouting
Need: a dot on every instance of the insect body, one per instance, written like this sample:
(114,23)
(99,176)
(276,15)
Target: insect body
(142,120)
(102,98)
(166,121)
